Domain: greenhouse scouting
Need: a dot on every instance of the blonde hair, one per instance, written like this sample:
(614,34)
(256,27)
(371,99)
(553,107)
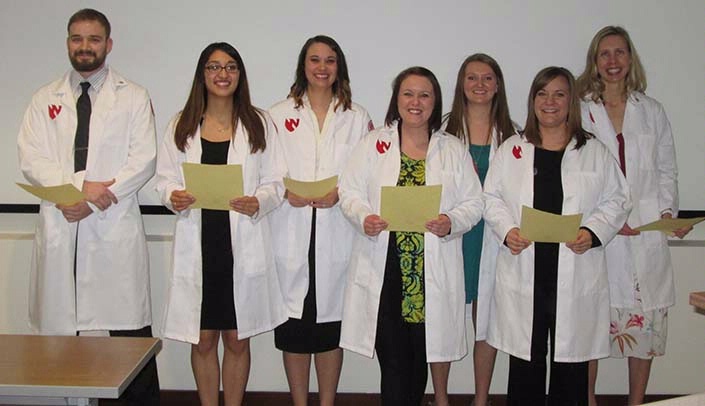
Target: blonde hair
(589,82)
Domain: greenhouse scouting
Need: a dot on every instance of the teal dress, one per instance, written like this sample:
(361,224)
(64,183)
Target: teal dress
(472,240)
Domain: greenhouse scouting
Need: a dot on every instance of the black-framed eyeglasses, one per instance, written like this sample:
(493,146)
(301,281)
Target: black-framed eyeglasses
(214,68)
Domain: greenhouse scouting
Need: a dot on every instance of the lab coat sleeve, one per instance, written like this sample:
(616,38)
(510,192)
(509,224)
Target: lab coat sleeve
(270,191)
(141,158)
(468,211)
(169,176)
(36,151)
(366,125)
(497,213)
(354,199)
(614,205)
(666,163)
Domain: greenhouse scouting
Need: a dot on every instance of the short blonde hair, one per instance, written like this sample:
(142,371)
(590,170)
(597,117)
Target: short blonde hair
(589,82)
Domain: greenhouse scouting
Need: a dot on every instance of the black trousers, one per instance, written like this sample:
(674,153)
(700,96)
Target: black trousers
(527,379)
(400,346)
(144,389)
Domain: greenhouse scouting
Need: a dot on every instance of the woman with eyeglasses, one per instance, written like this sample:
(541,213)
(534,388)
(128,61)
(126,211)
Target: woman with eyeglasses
(318,126)
(223,283)
(638,134)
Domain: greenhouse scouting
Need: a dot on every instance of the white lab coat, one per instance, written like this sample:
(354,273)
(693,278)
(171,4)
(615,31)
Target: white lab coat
(258,302)
(291,226)
(592,185)
(488,263)
(652,177)
(111,287)
(375,163)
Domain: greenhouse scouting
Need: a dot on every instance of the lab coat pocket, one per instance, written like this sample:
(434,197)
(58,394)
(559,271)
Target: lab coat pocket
(101,274)
(256,266)
(648,211)
(117,133)
(645,184)
(590,274)
(509,272)
(288,225)
(252,250)
(361,264)
(646,147)
(362,276)
(581,191)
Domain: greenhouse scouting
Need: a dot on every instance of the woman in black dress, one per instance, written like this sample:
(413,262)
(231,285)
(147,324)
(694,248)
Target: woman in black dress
(223,281)
(319,124)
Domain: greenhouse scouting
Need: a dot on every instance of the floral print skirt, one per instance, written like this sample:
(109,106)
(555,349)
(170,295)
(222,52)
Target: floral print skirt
(637,333)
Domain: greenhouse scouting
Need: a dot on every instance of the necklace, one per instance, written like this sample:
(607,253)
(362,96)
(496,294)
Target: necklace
(217,127)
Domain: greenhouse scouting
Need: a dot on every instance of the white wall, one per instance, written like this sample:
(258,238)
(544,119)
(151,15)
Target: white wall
(157,44)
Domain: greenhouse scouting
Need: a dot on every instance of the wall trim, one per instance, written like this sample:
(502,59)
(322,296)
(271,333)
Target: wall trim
(34,208)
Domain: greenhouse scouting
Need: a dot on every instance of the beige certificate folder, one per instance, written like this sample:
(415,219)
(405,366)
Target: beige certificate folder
(540,226)
(408,208)
(311,190)
(63,194)
(213,186)
(670,225)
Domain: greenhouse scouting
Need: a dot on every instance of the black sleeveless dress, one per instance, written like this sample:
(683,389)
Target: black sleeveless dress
(217,303)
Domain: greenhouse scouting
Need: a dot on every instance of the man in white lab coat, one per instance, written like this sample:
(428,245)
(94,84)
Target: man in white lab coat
(94,129)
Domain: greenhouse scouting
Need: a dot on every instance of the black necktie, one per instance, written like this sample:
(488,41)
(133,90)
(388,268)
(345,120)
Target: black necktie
(80,143)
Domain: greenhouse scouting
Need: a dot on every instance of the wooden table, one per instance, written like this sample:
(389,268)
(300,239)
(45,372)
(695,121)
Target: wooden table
(69,369)
(691,400)
(697,299)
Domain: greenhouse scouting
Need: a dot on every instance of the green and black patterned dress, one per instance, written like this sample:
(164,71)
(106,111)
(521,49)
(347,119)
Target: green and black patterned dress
(409,249)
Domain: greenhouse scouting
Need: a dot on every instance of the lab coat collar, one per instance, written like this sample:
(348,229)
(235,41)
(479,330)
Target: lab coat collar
(392,135)
(106,98)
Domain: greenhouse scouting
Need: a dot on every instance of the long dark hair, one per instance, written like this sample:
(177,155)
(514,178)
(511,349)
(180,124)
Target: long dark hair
(574,124)
(341,86)
(251,117)
(434,122)
(499,113)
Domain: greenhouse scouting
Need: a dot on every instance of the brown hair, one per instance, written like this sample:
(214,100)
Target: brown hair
(251,117)
(499,113)
(575,128)
(434,122)
(341,86)
(89,14)
(590,83)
